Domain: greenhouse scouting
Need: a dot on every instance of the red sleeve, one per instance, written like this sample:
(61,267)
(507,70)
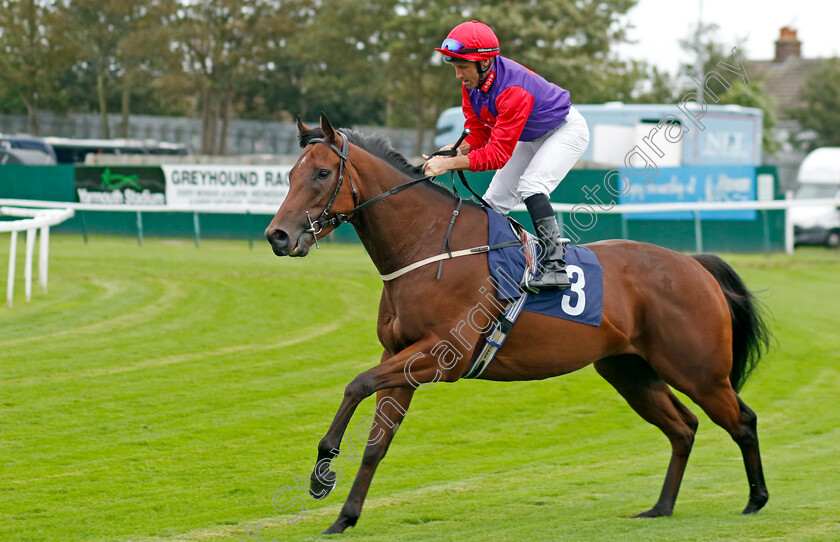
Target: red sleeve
(513,105)
(479,133)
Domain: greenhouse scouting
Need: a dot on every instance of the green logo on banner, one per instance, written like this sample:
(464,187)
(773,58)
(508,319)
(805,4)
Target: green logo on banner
(116,181)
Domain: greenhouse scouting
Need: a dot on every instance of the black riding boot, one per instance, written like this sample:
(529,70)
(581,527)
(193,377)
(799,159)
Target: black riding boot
(553,269)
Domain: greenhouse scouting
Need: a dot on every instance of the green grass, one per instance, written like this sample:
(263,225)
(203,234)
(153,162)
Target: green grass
(165,392)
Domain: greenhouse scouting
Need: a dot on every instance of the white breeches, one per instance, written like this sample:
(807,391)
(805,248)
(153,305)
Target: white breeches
(538,166)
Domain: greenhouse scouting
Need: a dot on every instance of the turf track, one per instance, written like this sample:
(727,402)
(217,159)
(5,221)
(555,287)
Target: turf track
(165,392)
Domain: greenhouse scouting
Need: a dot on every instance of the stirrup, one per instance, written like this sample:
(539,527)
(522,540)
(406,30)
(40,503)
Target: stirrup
(558,285)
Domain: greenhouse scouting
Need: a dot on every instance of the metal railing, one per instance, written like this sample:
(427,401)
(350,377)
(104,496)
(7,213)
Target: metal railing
(31,221)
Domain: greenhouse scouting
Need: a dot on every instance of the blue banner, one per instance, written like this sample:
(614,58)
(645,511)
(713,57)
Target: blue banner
(694,184)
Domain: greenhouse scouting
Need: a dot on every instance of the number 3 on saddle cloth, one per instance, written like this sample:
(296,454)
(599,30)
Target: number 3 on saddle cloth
(514,266)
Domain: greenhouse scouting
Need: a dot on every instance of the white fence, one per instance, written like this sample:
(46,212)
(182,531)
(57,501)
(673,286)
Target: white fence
(694,207)
(31,221)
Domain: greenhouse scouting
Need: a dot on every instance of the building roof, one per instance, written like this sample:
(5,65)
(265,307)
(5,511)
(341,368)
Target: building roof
(783,80)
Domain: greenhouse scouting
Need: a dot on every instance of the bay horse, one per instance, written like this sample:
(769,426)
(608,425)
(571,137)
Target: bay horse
(669,320)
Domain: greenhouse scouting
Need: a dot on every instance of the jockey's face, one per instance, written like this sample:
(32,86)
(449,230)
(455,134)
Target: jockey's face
(467,72)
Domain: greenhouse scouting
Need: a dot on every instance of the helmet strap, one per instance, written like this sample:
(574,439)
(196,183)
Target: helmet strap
(482,73)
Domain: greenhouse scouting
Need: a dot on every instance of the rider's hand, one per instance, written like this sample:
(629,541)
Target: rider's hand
(442,149)
(436,165)
(463,149)
(447,147)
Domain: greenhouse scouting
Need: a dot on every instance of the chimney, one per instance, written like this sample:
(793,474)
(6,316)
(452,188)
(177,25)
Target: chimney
(788,45)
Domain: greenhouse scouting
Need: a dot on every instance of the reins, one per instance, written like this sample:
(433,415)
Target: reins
(454,152)
(341,218)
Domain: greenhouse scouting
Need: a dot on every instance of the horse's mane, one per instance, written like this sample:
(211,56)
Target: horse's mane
(378,146)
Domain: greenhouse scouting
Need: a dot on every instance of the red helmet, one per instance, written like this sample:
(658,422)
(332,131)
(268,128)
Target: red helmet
(473,41)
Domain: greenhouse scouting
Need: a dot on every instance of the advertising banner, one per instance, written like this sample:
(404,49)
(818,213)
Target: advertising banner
(120,185)
(216,187)
(695,184)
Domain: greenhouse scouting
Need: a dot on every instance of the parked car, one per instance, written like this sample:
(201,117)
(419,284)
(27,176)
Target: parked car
(25,149)
(74,151)
(819,178)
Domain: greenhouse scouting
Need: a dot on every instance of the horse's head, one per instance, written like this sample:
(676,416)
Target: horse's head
(315,186)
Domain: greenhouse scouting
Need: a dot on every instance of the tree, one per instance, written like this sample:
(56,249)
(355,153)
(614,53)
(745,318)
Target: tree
(657,88)
(33,51)
(419,84)
(343,51)
(143,53)
(143,56)
(99,25)
(703,44)
(821,112)
(219,40)
(756,96)
(568,42)
(703,50)
(274,89)
(122,45)
(565,41)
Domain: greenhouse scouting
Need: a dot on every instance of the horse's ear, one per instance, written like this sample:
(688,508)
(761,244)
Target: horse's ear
(301,126)
(327,128)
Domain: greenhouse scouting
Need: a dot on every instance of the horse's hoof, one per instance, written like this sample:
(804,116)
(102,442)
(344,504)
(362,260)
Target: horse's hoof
(340,525)
(653,513)
(319,488)
(755,504)
(335,528)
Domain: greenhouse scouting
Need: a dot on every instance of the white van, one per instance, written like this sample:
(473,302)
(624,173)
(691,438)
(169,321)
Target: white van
(819,178)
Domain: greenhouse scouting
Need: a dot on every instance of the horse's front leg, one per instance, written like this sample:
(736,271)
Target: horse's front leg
(392,405)
(390,373)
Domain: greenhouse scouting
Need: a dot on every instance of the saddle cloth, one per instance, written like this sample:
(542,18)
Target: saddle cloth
(583,302)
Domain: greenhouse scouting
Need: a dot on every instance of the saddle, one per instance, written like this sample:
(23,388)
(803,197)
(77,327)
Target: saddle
(511,272)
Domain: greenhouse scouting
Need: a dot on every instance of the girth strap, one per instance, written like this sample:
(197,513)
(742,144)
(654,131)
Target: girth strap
(449,256)
(496,338)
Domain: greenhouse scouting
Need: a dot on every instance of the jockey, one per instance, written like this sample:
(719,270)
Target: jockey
(520,125)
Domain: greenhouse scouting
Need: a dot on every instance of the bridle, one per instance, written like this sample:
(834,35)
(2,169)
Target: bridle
(334,221)
(317,226)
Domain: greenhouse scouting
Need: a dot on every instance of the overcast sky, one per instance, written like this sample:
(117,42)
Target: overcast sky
(659,24)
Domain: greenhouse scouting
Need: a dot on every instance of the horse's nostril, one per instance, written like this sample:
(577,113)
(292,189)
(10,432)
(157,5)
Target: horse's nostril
(277,237)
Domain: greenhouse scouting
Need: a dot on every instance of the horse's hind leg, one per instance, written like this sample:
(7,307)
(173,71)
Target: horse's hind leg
(748,442)
(727,410)
(653,400)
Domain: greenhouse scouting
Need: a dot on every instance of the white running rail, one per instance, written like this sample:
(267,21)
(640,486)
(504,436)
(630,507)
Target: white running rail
(31,220)
(694,207)
(697,207)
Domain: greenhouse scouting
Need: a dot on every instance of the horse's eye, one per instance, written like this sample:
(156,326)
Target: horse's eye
(323,173)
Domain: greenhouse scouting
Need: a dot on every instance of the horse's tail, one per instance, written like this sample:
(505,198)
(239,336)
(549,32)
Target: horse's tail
(750,335)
